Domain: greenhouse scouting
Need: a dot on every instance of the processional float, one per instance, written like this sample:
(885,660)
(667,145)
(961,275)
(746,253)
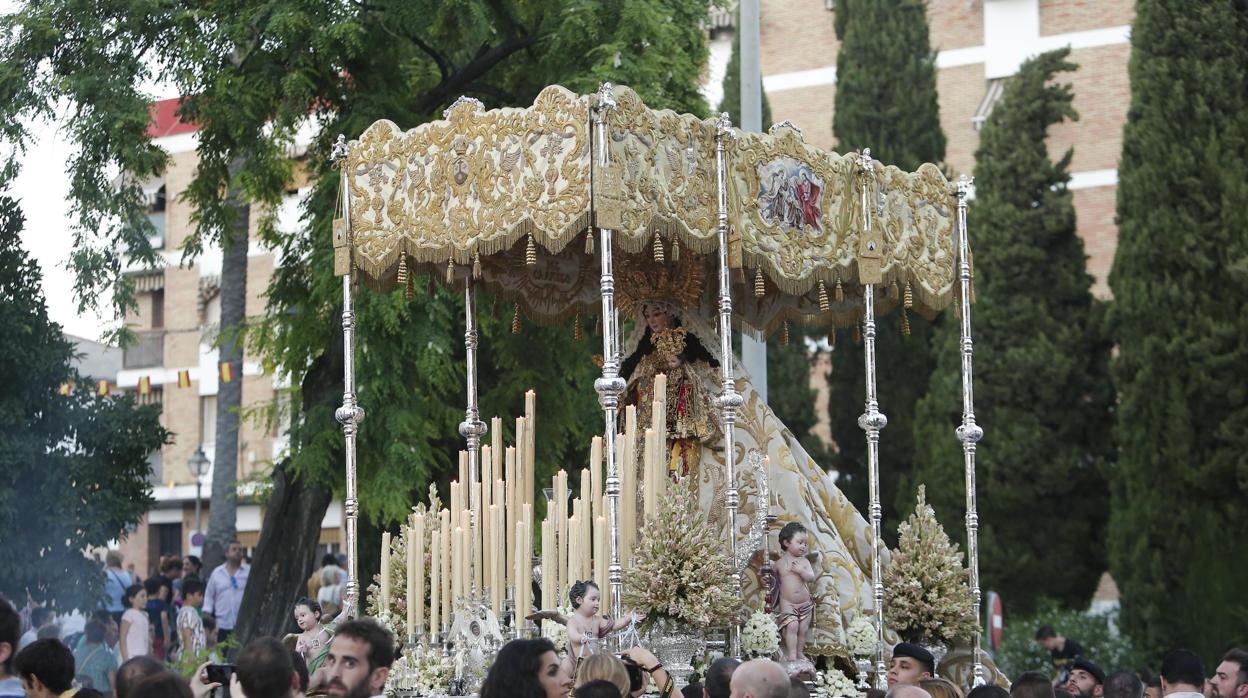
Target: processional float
(793,233)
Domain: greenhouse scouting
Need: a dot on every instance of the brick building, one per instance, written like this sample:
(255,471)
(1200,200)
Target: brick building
(177,318)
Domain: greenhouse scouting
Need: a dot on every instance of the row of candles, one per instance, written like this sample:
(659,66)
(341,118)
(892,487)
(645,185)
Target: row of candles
(481,544)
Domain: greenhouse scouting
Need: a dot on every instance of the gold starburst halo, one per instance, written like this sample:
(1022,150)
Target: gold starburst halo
(676,285)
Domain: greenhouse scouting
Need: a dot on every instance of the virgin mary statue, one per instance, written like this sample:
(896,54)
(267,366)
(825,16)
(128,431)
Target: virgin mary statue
(674,335)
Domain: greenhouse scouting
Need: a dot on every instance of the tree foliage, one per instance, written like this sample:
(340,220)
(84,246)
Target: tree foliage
(1042,387)
(1180,280)
(886,101)
(74,466)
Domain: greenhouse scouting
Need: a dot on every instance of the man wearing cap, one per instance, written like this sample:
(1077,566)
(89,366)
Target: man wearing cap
(910,664)
(1182,674)
(1087,680)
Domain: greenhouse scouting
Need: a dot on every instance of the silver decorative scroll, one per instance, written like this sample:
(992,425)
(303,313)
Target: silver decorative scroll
(350,414)
(969,433)
(871,422)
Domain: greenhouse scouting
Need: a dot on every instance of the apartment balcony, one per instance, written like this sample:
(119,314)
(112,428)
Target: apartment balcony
(148,350)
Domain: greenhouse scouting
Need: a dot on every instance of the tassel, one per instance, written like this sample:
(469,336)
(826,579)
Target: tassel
(840,292)
(894,291)
(530,252)
(410,291)
(658,249)
(824,306)
(476,265)
(450,271)
(909,297)
(402,277)
(515,321)
(905,323)
(760,289)
(577,332)
(589,242)
(784,335)
(675,249)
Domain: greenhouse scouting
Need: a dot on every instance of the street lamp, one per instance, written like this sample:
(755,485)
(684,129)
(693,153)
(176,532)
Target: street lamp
(198,465)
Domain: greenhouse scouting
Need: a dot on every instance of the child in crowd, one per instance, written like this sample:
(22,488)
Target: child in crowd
(158,590)
(136,630)
(191,634)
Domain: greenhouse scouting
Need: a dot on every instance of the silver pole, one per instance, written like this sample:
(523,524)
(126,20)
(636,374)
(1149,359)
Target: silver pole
(729,399)
(472,428)
(610,385)
(872,421)
(969,433)
(350,414)
(753,351)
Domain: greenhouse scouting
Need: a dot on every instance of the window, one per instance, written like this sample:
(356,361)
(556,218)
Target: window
(158,309)
(208,420)
(156,215)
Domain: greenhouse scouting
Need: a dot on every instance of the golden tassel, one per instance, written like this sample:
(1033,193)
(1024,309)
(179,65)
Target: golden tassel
(402,277)
(658,249)
(589,242)
(410,291)
(530,252)
(577,332)
(909,296)
(515,321)
(760,289)
(450,271)
(675,249)
(840,292)
(476,265)
(905,323)
(824,306)
(784,335)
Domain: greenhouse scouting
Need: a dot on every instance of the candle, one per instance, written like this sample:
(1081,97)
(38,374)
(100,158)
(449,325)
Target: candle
(459,562)
(522,584)
(417,594)
(410,549)
(496,561)
(496,440)
(522,426)
(601,556)
(530,445)
(658,414)
(651,500)
(478,555)
(512,513)
(586,494)
(561,524)
(587,543)
(385,570)
(456,503)
(548,561)
(435,586)
(628,481)
(574,553)
(447,574)
(595,476)
(463,470)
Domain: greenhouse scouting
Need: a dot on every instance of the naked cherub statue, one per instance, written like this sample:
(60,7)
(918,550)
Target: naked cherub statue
(585,626)
(796,606)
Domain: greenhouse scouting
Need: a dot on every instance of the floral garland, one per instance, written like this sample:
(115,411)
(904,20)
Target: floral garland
(420,672)
(833,683)
(760,637)
(862,637)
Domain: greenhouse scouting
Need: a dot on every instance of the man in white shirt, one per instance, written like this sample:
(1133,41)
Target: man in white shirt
(40,618)
(1182,674)
(225,590)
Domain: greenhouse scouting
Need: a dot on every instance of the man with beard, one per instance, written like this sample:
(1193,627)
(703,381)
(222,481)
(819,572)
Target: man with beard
(910,664)
(359,659)
(1087,680)
(1182,674)
(1231,678)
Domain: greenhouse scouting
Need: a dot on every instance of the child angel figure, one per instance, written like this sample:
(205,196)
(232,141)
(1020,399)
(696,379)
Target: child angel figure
(796,605)
(585,626)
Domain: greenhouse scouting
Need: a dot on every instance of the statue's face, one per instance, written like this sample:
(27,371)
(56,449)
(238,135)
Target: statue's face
(657,319)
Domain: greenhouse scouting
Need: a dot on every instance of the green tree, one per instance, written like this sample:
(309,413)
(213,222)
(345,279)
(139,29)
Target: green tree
(886,101)
(1180,280)
(731,101)
(74,466)
(1042,386)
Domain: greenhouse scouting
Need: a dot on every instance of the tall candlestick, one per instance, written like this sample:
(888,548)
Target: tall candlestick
(586,496)
(530,445)
(448,576)
(561,523)
(417,593)
(496,441)
(522,585)
(435,586)
(512,513)
(658,415)
(459,562)
(595,479)
(456,503)
(548,562)
(628,501)
(587,543)
(600,558)
(574,554)
(385,570)
(478,555)
(410,550)
(522,427)
(651,498)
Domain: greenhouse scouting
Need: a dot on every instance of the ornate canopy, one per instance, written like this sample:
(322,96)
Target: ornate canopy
(503,194)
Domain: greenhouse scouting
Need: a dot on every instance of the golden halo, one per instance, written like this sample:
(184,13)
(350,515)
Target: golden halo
(641,280)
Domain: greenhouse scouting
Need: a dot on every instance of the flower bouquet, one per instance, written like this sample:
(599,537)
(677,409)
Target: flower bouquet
(760,637)
(833,683)
(861,637)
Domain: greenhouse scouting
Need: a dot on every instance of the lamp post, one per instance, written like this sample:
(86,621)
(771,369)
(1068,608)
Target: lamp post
(198,465)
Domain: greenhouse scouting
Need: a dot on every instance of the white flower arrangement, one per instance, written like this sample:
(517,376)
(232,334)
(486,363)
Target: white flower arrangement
(760,637)
(391,622)
(862,637)
(557,633)
(833,683)
(420,672)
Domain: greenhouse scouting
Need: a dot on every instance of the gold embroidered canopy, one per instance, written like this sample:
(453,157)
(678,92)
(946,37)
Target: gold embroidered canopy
(502,194)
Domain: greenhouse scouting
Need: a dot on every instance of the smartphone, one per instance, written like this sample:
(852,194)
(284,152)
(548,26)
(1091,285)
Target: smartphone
(219,673)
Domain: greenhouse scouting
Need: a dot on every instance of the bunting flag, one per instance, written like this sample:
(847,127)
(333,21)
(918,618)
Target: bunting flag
(145,385)
(66,388)
(184,379)
(102,389)
(227,372)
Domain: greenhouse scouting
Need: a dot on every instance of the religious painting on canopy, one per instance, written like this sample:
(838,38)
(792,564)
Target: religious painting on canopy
(788,196)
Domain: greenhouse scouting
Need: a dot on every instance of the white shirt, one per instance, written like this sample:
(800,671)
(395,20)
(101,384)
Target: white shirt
(27,637)
(224,595)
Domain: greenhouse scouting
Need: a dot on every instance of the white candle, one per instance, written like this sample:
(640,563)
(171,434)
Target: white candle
(385,570)
(512,513)
(459,561)
(447,574)
(601,557)
(418,593)
(410,550)
(548,563)
(595,476)
(574,554)
(435,586)
(530,446)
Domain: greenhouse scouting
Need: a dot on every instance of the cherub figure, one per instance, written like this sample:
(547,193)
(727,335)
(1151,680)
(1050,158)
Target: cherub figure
(585,626)
(797,606)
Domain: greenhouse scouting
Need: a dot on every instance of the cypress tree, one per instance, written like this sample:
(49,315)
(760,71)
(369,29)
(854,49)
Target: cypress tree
(1180,279)
(731,101)
(885,100)
(1042,387)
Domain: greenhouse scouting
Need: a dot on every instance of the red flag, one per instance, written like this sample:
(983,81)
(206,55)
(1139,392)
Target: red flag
(102,389)
(227,372)
(184,379)
(145,385)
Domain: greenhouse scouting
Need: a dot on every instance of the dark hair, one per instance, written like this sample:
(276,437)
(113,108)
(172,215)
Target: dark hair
(1062,693)
(192,585)
(798,688)
(171,565)
(1183,666)
(790,529)
(312,605)
(50,661)
(1045,632)
(41,615)
(719,676)
(1154,682)
(1032,684)
(988,691)
(165,684)
(103,615)
(579,590)
(133,671)
(1123,684)
(88,693)
(635,677)
(514,673)
(10,631)
(131,592)
(301,668)
(600,688)
(194,560)
(209,621)
(94,631)
(380,643)
(264,669)
(153,584)
(1240,657)
(329,559)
